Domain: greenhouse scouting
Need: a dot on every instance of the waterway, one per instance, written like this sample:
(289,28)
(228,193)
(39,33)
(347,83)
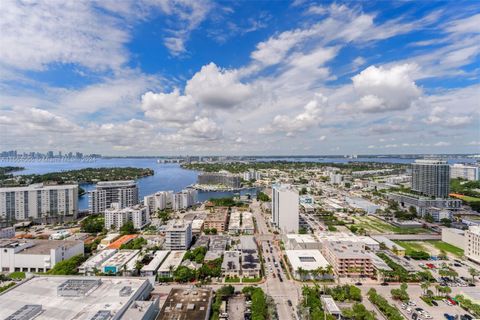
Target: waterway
(170,176)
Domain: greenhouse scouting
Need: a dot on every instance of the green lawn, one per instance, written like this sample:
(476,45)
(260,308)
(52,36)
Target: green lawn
(251,279)
(411,246)
(373,224)
(232,279)
(440,245)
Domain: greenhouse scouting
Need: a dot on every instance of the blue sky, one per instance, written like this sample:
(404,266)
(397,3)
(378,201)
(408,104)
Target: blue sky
(254,77)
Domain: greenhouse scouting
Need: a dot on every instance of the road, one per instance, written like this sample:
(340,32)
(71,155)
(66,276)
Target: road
(277,284)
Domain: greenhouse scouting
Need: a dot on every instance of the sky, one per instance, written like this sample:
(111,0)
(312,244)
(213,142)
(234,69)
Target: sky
(197,77)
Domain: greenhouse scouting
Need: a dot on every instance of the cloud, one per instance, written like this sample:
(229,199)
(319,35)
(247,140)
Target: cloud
(310,116)
(36,34)
(213,87)
(383,90)
(169,107)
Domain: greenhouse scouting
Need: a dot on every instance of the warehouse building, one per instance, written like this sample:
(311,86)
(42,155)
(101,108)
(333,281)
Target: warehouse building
(36,255)
(79,298)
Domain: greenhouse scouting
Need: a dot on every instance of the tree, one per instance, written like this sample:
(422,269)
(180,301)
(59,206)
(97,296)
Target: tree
(425,285)
(68,266)
(127,228)
(184,274)
(474,273)
(412,210)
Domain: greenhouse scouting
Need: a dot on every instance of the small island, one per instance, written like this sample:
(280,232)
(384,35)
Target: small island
(6,172)
(81,176)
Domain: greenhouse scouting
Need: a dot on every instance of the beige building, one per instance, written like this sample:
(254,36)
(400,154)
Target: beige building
(217,220)
(472,241)
(348,259)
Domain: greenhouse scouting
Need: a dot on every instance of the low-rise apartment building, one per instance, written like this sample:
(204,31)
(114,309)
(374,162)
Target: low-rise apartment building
(472,239)
(348,259)
(217,220)
(178,235)
(116,217)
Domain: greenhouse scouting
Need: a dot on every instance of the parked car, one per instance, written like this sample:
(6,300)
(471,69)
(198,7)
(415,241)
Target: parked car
(435,303)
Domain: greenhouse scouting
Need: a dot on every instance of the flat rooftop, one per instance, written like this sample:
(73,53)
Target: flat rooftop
(186,304)
(39,246)
(306,259)
(43,291)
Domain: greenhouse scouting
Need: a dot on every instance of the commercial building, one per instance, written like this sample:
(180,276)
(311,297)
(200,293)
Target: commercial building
(125,193)
(38,200)
(78,298)
(455,237)
(348,259)
(158,201)
(465,171)
(367,243)
(431,178)
(303,262)
(219,178)
(363,204)
(7,233)
(285,213)
(151,268)
(116,217)
(231,264)
(472,238)
(170,264)
(217,220)
(118,262)
(301,241)
(182,304)
(241,222)
(422,204)
(36,255)
(92,265)
(184,199)
(178,235)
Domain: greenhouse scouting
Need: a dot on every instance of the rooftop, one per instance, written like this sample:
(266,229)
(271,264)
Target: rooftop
(122,240)
(43,291)
(39,246)
(306,259)
(186,304)
(174,259)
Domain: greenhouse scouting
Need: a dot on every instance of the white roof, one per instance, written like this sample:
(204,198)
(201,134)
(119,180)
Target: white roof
(174,259)
(43,291)
(301,238)
(197,223)
(306,259)
(97,259)
(330,304)
(158,258)
(120,258)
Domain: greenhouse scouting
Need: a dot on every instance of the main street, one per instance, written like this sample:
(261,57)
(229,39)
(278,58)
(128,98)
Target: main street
(280,290)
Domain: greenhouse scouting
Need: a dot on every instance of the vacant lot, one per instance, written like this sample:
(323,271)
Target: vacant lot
(375,225)
(411,246)
(440,245)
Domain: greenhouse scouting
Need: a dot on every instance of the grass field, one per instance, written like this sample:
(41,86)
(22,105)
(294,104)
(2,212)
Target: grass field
(411,246)
(466,198)
(440,245)
(375,225)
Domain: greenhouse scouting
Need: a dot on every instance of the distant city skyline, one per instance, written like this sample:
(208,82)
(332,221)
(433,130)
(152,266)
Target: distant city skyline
(147,78)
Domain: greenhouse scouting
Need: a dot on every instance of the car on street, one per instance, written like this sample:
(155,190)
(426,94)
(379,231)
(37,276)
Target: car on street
(384,284)
(289,303)
(435,303)
(358,284)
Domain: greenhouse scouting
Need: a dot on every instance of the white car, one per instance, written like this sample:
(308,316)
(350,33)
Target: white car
(409,310)
(412,303)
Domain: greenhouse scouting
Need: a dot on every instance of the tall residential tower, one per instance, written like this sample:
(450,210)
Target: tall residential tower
(285,202)
(125,193)
(431,178)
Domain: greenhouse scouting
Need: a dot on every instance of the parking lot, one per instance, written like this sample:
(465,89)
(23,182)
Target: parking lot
(414,291)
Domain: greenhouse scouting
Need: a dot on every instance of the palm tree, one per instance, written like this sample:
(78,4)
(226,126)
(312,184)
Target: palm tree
(425,285)
(474,273)
(301,273)
(329,270)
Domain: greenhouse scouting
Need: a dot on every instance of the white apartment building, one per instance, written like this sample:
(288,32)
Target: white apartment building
(455,237)
(7,233)
(38,200)
(285,203)
(178,235)
(465,171)
(125,193)
(335,178)
(472,242)
(184,199)
(36,255)
(252,175)
(158,201)
(117,217)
